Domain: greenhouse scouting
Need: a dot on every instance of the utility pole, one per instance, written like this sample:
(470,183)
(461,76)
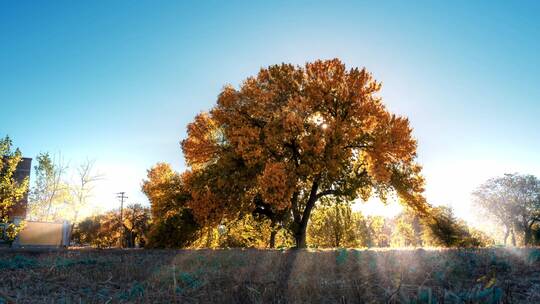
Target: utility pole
(122,196)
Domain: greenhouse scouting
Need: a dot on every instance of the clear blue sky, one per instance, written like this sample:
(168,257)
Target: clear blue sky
(117,81)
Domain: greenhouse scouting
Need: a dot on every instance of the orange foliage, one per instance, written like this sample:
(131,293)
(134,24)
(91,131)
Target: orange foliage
(299,133)
(278,185)
(163,188)
(201,145)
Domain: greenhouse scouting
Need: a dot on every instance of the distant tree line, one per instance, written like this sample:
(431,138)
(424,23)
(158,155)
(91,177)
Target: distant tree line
(105,230)
(339,226)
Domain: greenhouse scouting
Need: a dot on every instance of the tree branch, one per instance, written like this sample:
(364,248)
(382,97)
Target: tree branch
(326,192)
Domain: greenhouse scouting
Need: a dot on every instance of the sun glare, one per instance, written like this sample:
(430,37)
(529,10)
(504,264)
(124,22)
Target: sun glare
(375,207)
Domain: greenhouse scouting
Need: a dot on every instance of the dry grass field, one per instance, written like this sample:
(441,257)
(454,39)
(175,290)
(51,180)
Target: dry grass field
(271,276)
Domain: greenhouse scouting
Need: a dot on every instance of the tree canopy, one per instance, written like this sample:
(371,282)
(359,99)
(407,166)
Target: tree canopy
(292,135)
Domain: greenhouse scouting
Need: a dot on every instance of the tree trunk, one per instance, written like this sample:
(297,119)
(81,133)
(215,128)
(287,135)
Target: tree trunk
(301,228)
(513,238)
(300,239)
(337,238)
(272,243)
(506,233)
(300,233)
(528,237)
(209,238)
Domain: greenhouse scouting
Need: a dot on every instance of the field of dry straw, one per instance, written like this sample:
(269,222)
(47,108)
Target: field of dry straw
(495,275)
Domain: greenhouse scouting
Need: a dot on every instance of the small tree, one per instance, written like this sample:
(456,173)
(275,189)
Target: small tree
(403,234)
(87,231)
(11,190)
(377,231)
(81,191)
(443,229)
(173,224)
(50,194)
(335,225)
(137,223)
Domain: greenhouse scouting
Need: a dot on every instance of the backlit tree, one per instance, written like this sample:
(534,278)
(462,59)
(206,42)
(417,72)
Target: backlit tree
(292,135)
(173,224)
(513,201)
(335,226)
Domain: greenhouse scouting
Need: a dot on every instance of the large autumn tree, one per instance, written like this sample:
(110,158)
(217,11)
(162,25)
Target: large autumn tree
(292,135)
